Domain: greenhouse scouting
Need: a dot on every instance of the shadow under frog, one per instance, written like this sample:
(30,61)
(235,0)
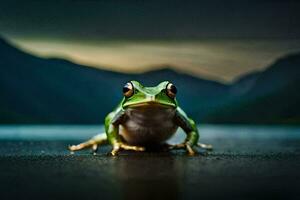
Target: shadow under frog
(150,176)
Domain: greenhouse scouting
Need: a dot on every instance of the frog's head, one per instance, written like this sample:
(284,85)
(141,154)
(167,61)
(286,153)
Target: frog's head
(135,94)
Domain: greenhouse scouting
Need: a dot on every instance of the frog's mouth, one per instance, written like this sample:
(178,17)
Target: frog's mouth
(150,104)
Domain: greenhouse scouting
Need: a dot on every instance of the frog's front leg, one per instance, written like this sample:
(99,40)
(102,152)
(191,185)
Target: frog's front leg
(112,123)
(189,126)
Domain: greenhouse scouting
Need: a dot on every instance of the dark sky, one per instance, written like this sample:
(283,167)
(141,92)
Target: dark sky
(91,19)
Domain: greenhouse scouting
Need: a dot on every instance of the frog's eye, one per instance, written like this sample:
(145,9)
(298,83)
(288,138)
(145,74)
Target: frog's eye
(128,89)
(171,90)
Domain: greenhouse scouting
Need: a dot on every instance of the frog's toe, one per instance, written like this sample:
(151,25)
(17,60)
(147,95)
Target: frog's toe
(115,150)
(93,143)
(95,148)
(185,146)
(83,145)
(190,150)
(208,147)
(76,147)
(119,146)
(133,148)
(176,146)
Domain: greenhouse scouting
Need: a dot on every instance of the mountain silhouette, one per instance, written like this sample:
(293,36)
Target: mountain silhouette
(39,90)
(270,96)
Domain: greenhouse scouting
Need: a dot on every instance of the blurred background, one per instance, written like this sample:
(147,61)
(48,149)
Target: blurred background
(65,62)
(236,64)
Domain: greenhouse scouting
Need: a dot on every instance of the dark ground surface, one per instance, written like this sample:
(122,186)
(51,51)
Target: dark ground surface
(239,169)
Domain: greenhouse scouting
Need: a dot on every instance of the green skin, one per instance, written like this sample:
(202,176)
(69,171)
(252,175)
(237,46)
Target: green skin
(144,97)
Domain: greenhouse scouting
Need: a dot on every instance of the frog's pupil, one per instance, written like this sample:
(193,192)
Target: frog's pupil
(125,89)
(173,89)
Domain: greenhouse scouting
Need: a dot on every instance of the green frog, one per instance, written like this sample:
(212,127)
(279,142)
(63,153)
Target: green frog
(146,116)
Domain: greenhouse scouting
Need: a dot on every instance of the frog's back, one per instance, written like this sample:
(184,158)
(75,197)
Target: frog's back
(148,125)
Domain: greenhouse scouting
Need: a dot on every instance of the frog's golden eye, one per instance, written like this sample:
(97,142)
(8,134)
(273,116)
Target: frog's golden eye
(128,89)
(171,90)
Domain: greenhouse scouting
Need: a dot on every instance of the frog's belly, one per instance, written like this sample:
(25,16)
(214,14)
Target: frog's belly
(147,126)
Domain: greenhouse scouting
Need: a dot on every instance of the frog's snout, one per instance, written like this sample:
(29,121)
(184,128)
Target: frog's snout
(150,97)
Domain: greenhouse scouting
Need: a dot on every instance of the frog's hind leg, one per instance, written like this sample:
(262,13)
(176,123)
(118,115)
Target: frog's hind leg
(93,143)
(208,147)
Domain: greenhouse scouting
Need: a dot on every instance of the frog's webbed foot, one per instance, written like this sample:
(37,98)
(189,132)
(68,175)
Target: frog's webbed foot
(93,143)
(118,146)
(190,150)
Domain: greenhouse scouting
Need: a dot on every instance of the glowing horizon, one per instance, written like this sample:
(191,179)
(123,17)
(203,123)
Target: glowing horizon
(221,60)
